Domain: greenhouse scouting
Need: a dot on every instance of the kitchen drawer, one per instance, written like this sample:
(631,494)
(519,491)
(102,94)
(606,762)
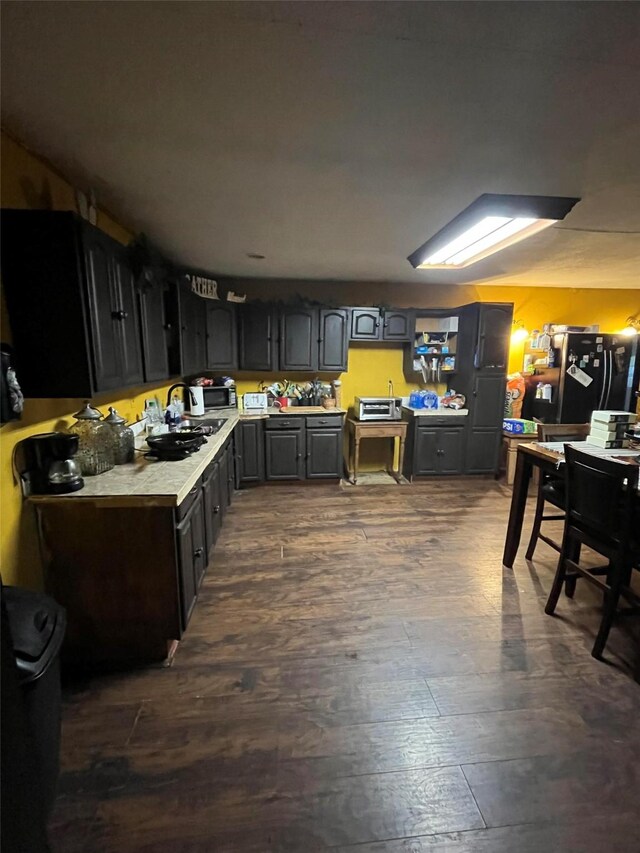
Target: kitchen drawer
(441,420)
(190,499)
(324,422)
(283,422)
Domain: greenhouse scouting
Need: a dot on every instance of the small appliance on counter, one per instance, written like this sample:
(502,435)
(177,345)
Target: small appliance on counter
(193,398)
(49,466)
(255,403)
(378,408)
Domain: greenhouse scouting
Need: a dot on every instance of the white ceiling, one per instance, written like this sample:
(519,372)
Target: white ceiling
(334,138)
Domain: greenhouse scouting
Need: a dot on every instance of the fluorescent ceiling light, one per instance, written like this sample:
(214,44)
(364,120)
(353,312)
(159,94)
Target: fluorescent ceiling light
(491,223)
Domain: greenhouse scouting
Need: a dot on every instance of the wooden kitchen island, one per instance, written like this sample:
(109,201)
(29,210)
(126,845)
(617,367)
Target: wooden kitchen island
(357,430)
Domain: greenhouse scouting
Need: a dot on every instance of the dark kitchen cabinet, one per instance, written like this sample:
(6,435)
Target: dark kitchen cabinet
(192,557)
(154,326)
(285,453)
(257,337)
(375,324)
(324,453)
(221,335)
(365,324)
(397,325)
(212,509)
(333,339)
(128,338)
(249,438)
(193,319)
(75,327)
(438,450)
(230,481)
(298,339)
(494,334)
(485,428)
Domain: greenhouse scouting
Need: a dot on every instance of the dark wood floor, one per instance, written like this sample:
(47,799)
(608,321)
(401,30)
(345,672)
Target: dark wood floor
(360,674)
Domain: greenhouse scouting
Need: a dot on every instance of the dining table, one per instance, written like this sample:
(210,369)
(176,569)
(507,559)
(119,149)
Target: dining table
(548,457)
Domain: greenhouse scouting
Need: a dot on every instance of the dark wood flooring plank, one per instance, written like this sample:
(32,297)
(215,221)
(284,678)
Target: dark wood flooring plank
(603,781)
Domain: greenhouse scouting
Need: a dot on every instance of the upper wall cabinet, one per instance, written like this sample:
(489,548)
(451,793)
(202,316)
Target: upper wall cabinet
(375,324)
(193,331)
(257,337)
(494,332)
(333,339)
(72,305)
(222,337)
(152,293)
(298,348)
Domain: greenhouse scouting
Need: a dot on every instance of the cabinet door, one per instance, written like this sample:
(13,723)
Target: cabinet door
(222,337)
(101,298)
(199,541)
(397,326)
(223,461)
(365,324)
(333,339)
(155,354)
(298,339)
(284,454)
(192,332)
(187,558)
(425,460)
(257,333)
(211,497)
(250,451)
(324,453)
(128,325)
(230,475)
(494,332)
(483,449)
(450,450)
(487,401)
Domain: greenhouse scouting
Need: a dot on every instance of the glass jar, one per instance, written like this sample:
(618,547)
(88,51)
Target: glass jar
(96,442)
(123,436)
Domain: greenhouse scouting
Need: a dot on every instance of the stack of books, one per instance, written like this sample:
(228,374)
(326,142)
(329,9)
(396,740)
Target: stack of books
(608,429)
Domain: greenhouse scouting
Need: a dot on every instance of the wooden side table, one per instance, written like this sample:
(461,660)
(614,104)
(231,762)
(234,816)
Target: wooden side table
(510,442)
(357,430)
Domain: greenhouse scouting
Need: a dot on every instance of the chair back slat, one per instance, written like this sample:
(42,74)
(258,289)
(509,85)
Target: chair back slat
(562,432)
(600,495)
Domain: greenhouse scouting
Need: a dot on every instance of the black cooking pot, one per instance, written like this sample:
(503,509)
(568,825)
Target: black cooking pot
(175,445)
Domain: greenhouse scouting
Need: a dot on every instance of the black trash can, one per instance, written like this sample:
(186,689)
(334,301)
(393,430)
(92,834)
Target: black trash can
(32,633)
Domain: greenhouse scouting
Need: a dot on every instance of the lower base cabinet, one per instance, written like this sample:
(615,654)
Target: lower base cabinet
(324,453)
(435,448)
(128,570)
(293,447)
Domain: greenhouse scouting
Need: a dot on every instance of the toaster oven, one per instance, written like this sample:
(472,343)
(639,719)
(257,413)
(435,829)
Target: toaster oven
(378,408)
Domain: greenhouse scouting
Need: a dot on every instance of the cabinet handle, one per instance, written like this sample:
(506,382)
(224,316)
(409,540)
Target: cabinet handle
(299,456)
(167,327)
(119,315)
(216,509)
(198,552)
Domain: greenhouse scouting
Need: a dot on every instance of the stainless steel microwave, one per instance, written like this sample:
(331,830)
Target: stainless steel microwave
(378,408)
(219,397)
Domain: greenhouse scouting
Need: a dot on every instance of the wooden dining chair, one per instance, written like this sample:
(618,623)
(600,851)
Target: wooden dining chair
(551,488)
(601,505)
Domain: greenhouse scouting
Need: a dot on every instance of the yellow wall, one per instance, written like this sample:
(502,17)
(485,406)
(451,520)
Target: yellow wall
(28,182)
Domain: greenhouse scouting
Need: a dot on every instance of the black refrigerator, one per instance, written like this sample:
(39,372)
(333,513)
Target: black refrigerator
(591,371)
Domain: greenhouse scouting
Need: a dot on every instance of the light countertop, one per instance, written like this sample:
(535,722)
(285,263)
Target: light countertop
(167,482)
(429,413)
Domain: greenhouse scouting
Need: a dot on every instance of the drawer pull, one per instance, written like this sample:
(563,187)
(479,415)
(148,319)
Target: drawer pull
(198,552)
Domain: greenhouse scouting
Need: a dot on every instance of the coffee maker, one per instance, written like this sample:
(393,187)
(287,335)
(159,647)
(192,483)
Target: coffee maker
(49,466)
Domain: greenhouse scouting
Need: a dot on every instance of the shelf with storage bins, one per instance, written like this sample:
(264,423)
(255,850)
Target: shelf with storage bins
(432,355)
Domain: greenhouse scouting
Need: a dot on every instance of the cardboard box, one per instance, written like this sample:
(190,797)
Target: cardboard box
(606,443)
(517,426)
(604,416)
